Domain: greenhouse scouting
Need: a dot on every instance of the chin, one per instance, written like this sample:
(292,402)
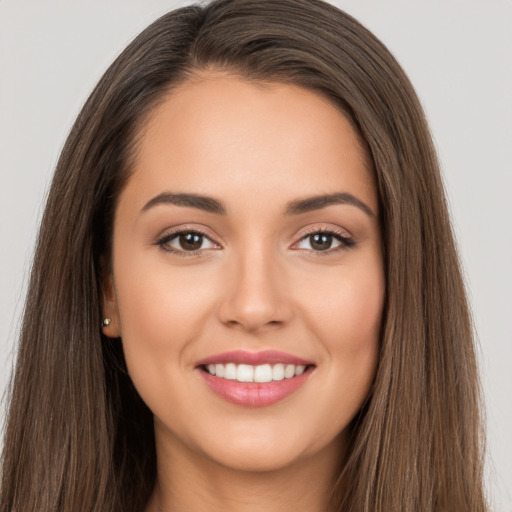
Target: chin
(267,450)
(256,460)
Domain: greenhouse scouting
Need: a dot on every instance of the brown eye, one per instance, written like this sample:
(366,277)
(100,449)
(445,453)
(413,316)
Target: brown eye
(325,242)
(321,241)
(186,243)
(190,241)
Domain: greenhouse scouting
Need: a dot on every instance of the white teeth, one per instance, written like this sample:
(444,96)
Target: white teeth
(245,373)
(263,373)
(219,370)
(278,372)
(230,371)
(289,371)
(260,373)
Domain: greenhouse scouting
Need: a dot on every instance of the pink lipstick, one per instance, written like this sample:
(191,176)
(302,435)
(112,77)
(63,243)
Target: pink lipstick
(254,379)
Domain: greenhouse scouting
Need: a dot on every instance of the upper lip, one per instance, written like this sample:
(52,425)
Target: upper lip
(254,358)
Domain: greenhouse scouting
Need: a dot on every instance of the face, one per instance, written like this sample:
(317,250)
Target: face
(247,245)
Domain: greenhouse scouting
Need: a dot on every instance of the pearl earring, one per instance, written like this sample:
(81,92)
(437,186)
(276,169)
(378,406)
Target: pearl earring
(106,322)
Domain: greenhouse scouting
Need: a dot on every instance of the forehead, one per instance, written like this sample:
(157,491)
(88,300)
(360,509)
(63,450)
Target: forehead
(222,135)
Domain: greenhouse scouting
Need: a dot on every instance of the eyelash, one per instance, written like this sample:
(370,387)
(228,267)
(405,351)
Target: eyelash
(345,242)
(161,242)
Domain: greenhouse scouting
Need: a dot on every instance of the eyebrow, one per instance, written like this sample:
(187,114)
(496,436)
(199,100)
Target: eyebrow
(322,201)
(297,207)
(208,204)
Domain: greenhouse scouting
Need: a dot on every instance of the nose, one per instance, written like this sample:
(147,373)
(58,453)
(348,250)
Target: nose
(256,295)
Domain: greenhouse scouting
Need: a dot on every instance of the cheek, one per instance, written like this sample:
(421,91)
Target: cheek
(161,311)
(346,306)
(345,313)
(156,301)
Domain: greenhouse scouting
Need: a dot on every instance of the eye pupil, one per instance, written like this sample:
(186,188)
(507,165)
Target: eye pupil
(321,241)
(190,241)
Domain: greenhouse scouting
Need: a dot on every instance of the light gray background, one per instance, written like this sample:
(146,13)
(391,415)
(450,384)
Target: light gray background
(458,54)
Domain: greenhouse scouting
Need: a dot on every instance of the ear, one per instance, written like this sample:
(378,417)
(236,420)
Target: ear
(110,309)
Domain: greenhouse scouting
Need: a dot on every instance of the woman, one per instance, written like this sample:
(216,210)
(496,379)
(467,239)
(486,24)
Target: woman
(245,292)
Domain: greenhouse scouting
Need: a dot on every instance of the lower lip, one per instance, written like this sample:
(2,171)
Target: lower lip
(254,394)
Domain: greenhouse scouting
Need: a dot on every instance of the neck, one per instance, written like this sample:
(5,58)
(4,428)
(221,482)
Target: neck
(189,481)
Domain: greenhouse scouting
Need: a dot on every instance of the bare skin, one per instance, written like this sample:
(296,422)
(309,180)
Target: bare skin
(197,485)
(259,276)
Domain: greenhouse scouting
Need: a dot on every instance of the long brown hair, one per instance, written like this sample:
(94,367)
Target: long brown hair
(78,436)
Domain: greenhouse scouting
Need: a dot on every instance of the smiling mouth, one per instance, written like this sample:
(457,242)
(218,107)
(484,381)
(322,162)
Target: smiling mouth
(254,379)
(260,374)
(255,386)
